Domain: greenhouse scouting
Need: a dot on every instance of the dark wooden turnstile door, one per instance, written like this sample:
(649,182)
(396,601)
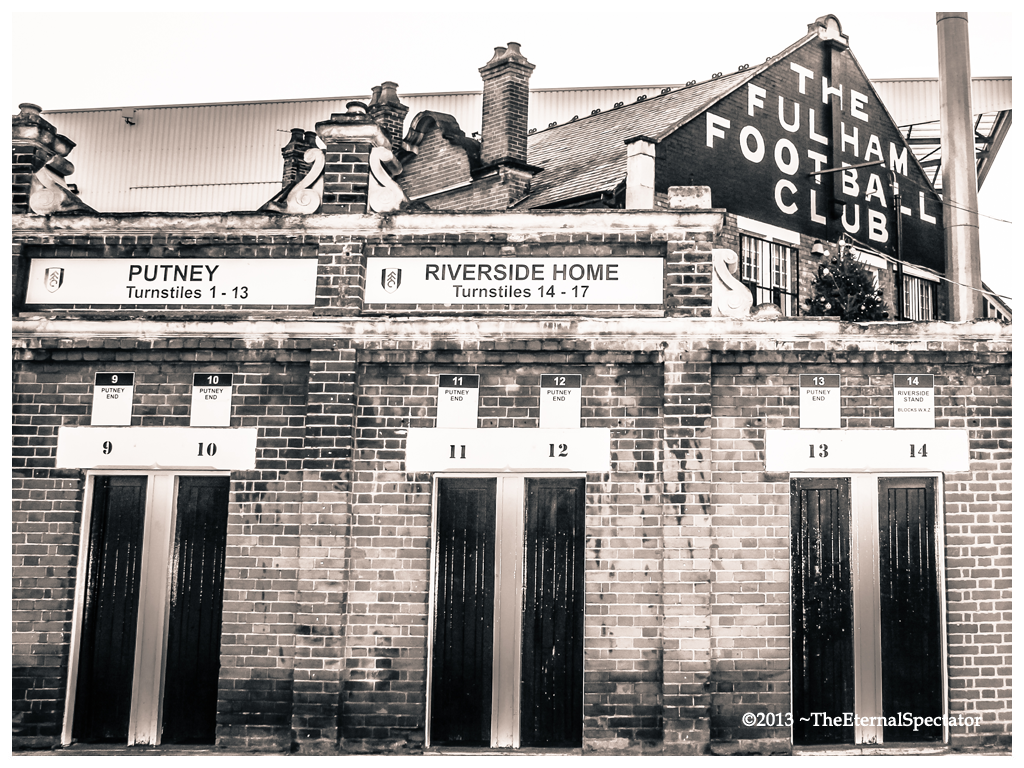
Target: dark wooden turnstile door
(106,657)
(461,669)
(823,675)
(911,640)
(552,646)
(194,622)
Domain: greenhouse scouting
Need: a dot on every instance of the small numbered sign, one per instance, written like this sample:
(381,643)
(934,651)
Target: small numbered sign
(866,450)
(458,399)
(819,401)
(211,400)
(560,401)
(156,448)
(453,450)
(112,396)
(913,400)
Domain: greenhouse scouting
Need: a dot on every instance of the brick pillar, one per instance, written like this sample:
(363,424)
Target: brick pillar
(506,104)
(688,274)
(324,528)
(686,630)
(388,112)
(292,152)
(323,554)
(349,137)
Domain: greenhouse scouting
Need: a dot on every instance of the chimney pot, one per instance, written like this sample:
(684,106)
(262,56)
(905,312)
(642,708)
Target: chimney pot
(389,92)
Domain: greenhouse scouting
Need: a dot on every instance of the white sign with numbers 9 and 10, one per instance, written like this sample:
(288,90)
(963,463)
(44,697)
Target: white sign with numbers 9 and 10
(156,448)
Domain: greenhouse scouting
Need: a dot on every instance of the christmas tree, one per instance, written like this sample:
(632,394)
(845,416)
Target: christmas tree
(844,288)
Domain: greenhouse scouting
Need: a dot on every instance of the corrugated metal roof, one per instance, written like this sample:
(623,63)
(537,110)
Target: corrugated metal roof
(221,157)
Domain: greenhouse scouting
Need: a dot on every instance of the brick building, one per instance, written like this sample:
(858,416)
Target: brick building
(463,445)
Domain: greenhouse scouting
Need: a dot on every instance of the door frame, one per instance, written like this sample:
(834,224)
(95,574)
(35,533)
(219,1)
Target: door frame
(866,603)
(160,518)
(506,664)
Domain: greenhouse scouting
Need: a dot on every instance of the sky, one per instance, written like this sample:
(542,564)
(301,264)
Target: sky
(213,51)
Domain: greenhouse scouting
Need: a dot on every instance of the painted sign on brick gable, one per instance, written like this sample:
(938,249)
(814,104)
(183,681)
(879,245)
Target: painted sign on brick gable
(767,151)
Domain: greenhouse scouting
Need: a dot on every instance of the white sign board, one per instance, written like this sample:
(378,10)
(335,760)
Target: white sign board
(578,281)
(560,401)
(112,397)
(458,399)
(506,449)
(189,282)
(211,400)
(866,450)
(156,448)
(819,401)
(913,397)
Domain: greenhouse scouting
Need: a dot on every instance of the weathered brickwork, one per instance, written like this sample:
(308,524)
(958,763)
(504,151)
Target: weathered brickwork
(385,688)
(53,388)
(326,624)
(439,164)
(757,389)
(341,269)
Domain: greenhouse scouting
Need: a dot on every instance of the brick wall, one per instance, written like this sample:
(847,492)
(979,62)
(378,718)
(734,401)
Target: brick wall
(346,177)
(53,388)
(438,164)
(385,687)
(755,387)
(341,277)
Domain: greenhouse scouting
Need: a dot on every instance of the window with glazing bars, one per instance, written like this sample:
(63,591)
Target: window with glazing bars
(770,271)
(918,298)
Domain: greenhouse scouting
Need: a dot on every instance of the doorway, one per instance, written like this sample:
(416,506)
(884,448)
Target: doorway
(866,576)
(146,643)
(506,659)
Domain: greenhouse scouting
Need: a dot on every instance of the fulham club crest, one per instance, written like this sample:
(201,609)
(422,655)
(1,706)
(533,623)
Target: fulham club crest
(390,279)
(54,278)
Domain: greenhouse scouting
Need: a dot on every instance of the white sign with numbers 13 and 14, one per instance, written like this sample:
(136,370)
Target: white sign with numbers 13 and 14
(866,450)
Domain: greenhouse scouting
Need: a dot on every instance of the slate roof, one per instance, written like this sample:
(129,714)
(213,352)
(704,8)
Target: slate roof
(588,156)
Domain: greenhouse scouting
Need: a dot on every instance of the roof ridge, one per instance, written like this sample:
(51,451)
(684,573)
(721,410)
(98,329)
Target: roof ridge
(666,91)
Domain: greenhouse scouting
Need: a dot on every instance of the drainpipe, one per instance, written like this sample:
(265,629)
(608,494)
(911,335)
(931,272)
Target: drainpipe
(959,169)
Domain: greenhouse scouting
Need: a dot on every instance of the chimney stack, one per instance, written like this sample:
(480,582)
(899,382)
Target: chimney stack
(506,103)
(292,152)
(959,168)
(388,111)
(39,165)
